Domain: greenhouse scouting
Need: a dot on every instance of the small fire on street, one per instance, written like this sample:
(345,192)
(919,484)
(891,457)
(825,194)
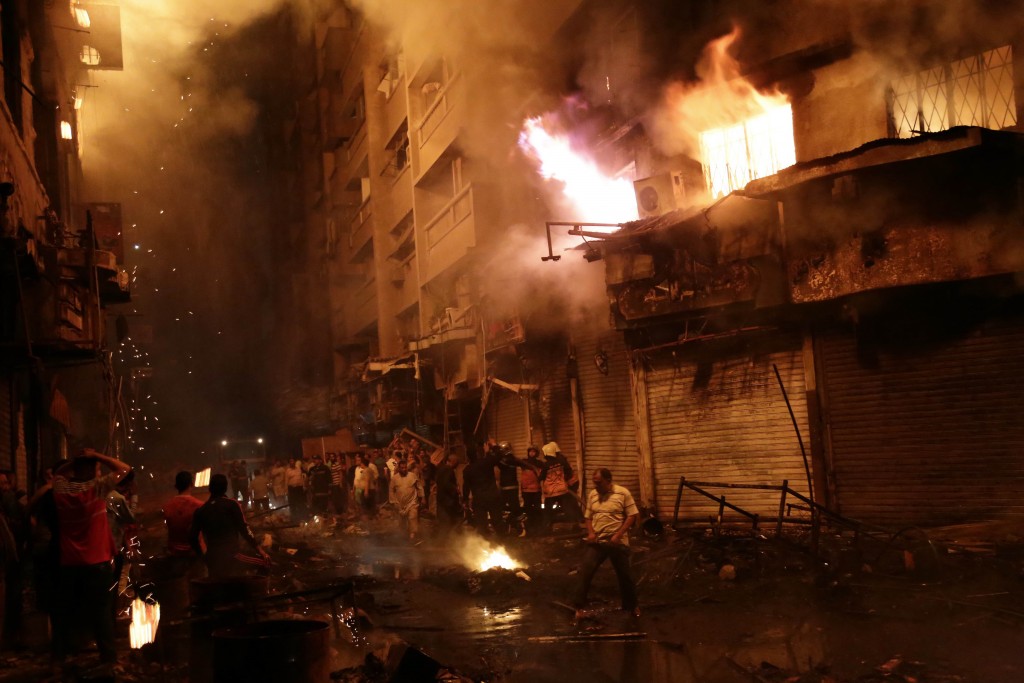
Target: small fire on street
(498,557)
(480,555)
(145,621)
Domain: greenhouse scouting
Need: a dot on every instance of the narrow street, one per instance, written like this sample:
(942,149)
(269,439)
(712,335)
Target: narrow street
(512,341)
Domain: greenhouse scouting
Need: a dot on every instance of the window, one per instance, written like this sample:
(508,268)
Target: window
(392,69)
(759,146)
(80,14)
(397,152)
(89,56)
(976,91)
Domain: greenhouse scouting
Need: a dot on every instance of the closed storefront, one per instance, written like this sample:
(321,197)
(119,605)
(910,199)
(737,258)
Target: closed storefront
(507,418)
(609,429)
(554,416)
(924,422)
(717,416)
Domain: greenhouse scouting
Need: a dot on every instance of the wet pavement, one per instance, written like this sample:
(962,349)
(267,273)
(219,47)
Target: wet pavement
(785,616)
(715,610)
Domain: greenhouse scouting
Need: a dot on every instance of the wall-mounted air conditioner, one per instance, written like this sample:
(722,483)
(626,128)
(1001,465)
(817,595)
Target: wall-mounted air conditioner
(660,194)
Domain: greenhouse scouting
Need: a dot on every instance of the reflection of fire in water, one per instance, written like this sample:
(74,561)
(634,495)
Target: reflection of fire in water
(145,620)
(742,133)
(593,195)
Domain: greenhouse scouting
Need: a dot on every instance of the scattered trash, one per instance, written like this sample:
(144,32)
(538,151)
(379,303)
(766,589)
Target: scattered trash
(727,572)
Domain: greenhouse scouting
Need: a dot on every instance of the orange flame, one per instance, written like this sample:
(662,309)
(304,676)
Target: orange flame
(593,195)
(145,621)
(479,555)
(740,133)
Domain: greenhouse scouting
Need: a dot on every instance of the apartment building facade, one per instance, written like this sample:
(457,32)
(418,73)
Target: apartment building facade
(61,261)
(842,318)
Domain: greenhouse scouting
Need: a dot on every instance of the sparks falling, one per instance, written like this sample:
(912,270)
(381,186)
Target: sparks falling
(594,196)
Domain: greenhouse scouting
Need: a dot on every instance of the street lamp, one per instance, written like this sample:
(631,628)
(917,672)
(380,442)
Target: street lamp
(224,442)
(259,440)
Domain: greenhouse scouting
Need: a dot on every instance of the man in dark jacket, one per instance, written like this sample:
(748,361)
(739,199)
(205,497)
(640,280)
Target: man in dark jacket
(479,483)
(449,507)
(222,525)
(319,477)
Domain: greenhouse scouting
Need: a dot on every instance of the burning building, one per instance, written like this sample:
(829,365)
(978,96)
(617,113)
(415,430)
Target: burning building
(62,257)
(821,234)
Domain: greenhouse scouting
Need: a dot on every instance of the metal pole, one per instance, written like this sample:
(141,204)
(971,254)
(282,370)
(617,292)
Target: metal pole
(796,427)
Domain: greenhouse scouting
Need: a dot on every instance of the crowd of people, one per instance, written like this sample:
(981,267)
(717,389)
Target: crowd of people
(495,491)
(76,537)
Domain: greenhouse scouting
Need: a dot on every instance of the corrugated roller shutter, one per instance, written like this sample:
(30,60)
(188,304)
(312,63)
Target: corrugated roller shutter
(933,437)
(726,421)
(555,410)
(609,432)
(507,418)
(6,425)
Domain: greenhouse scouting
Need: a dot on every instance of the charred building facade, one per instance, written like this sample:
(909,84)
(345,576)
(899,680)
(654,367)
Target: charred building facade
(61,258)
(829,239)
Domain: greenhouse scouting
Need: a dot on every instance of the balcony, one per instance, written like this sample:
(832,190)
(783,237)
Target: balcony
(405,279)
(396,108)
(363,310)
(400,200)
(348,158)
(439,127)
(450,234)
(361,227)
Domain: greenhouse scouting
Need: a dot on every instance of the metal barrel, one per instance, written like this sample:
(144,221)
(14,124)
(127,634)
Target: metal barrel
(218,603)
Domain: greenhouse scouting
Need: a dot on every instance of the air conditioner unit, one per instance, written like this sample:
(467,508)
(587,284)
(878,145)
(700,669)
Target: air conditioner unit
(660,194)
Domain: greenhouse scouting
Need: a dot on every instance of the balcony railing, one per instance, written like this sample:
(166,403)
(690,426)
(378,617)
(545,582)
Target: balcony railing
(458,209)
(361,225)
(437,111)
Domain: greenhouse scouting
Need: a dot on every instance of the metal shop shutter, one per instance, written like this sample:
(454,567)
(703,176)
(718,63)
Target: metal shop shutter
(609,431)
(507,419)
(726,421)
(555,399)
(931,438)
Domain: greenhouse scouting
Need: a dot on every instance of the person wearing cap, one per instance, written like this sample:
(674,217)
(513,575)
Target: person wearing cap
(610,513)
(554,480)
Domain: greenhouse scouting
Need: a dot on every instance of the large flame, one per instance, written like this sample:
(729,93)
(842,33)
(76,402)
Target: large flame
(593,195)
(739,132)
(145,620)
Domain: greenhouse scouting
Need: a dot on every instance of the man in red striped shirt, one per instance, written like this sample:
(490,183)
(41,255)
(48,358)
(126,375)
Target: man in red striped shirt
(86,550)
(178,514)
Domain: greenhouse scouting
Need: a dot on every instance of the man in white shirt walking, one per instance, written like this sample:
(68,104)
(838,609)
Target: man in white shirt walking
(610,513)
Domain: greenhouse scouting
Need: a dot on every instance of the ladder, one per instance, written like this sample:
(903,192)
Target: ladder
(452,423)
